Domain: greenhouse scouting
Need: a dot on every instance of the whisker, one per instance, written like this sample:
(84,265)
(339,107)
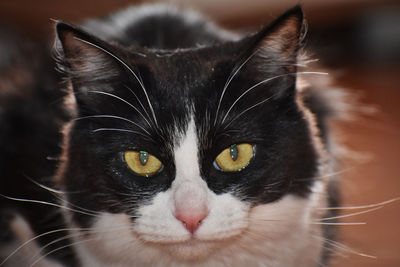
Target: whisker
(113,117)
(39,253)
(339,223)
(247,91)
(343,247)
(123,100)
(260,220)
(56,194)
(49,204)
(350,215)
(334,251)
(52,190)
(312,73)
(130,70)
(363,206)
(331,174)
(121,130)
(265,81)
(33,239)
(82,231)
(230,78)
(86,231)
(137,98)
(241,113)
(263,101)
(60,248)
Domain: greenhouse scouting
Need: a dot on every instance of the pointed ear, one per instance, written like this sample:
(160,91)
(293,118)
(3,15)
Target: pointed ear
(285,34)
(281,40)
(84,57)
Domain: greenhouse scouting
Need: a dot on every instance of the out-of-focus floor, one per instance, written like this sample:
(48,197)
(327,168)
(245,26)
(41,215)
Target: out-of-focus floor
(376,179)
(363,181)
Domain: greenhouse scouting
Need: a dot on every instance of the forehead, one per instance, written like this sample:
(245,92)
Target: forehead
(177,81)
(183,65)
(185,84)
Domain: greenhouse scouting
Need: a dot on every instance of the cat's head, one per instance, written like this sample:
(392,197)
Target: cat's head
(186,152)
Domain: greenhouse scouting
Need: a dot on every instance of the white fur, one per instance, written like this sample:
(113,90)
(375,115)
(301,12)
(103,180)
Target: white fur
(278,234)
(233,234)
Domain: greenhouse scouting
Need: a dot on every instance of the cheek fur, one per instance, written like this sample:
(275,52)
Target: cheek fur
(233,234)
(157,223)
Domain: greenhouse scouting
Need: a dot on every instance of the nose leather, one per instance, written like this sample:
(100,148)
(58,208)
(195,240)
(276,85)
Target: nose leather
(190,205)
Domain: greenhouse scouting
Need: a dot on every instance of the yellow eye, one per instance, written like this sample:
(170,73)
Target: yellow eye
(234,158)
(142,163)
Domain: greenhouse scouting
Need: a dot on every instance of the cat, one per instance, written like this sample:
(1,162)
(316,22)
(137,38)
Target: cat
(177,143)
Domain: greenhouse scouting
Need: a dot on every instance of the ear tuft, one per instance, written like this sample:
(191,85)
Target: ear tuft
(284,36)
(83,56)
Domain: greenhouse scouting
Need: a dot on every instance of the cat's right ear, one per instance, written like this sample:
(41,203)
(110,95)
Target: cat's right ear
(83,57)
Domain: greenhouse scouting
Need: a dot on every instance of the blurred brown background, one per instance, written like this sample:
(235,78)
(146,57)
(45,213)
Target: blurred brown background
(359,40)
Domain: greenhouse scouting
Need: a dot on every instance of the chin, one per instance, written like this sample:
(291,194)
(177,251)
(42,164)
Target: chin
(193,250)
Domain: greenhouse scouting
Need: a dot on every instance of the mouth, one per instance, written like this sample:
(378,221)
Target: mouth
(189,247)
(195,242)
(192,249)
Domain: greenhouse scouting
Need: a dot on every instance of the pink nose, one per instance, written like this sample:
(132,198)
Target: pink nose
(191,221)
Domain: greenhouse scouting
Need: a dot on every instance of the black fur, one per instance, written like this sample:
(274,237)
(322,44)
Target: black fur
(176,82)
(30,121)
(184,68)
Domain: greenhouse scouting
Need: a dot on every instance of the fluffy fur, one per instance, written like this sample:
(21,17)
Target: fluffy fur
(173,84)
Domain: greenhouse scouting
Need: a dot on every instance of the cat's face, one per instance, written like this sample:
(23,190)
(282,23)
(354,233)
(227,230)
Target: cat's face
(189,153)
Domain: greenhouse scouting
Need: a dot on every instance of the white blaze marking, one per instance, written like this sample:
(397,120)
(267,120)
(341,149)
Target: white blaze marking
(189,189)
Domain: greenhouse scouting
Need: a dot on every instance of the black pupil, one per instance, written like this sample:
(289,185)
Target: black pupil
(234,152)
(143,157)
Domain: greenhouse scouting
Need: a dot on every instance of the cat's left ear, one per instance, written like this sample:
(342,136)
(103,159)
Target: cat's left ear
(279,42)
